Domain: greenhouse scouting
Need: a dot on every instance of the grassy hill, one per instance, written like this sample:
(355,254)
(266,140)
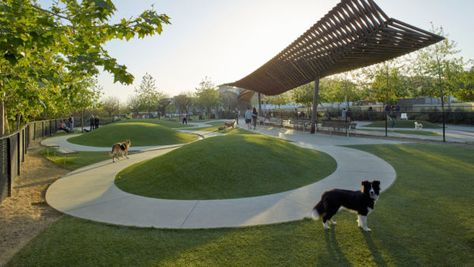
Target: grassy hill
(141,133)
(235,165)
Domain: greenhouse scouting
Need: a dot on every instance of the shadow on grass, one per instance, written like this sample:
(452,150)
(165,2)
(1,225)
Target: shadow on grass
(334,249)
(376,255)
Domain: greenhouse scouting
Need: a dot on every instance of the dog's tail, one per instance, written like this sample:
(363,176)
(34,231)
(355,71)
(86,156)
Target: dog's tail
(317,210)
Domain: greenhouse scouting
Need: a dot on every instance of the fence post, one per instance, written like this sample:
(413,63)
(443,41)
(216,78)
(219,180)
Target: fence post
(9,169)
(18,152)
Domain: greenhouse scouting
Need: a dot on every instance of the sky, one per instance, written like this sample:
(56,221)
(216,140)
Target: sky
(226,40)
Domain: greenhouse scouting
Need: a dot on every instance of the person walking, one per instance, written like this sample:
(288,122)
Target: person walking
(254,118)
(248,117)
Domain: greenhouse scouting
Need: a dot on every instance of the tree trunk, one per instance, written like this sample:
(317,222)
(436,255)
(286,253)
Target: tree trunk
(82,121)
(2,120)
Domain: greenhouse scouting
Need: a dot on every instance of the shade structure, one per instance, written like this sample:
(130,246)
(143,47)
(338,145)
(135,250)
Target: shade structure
(354,34)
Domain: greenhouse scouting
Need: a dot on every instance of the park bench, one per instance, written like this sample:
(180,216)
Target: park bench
(50,146)
(66,152)
(302,125)
(338,125)
(276,122)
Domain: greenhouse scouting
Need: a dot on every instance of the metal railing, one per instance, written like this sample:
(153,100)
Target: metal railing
(13,148)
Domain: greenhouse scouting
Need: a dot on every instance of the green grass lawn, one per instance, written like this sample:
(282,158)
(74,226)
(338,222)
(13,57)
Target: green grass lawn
(425,219)
(141,133)
(231,166)
(170,123)
(403,124)
(414,132)
(74,161)
(214,127)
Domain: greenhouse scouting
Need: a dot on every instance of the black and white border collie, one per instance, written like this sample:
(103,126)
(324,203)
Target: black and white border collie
(362,201)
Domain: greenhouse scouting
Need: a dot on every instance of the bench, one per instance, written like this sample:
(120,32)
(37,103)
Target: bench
(272,122)
(66,151)
(338,125)
(49,146)
(302,125)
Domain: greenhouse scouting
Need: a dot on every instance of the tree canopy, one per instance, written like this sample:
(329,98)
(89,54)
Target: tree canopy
(48,52)
(207,95)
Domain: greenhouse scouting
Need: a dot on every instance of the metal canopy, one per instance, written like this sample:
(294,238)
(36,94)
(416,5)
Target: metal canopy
(354,34)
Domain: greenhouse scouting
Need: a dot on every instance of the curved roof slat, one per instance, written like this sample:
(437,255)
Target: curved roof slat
(354,34)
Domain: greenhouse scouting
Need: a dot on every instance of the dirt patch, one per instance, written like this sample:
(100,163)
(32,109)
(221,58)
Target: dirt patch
(25,214)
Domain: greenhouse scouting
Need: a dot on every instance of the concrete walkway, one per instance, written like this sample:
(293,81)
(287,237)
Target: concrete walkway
(90,192)
(61,141)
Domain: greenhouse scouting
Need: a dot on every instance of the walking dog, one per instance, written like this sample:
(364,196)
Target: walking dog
(120,149)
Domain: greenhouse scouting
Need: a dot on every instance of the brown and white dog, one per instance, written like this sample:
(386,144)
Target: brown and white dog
(120,149)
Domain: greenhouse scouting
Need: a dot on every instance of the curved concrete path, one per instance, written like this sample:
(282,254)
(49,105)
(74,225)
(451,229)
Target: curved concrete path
(61,141)
(90,192)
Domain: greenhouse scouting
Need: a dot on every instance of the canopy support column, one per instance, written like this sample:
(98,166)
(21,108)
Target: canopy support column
(314,114)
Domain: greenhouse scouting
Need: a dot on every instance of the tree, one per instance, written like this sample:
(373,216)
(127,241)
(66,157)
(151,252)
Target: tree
(46,50)
(387,85)
(303,94)
(466,86)
(111,105)
(207,95)
(279,100)
(441,67)
(338,90)
(228,100)
(148,96)
(133,104)
(182,102)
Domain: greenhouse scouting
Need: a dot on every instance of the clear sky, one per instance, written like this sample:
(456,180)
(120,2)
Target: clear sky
(228,39)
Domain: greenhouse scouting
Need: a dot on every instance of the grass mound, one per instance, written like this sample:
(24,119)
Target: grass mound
(141,133)
(231,166)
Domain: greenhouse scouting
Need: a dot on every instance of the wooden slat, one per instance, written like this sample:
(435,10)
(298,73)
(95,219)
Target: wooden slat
(354,34)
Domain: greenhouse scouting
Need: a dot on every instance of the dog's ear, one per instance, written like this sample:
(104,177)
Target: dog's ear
(376,182)
(365,182)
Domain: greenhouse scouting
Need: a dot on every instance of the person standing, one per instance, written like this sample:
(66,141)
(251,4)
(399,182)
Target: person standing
(71,123)
(254,118)
(185,118)
(96,122)
(237,115)
(248,117)
(344,114)
(349,115)
(91,122)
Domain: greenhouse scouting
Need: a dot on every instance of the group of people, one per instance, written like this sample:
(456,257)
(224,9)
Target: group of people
(67,125)
(94,122)
(251,118)
(346,114)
